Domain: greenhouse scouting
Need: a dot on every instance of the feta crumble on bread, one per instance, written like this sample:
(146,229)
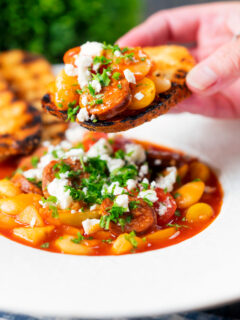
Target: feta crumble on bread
(83,115)
(139,96)
(129,76)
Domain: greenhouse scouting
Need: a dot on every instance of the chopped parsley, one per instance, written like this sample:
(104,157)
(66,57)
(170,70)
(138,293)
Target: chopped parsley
(79,238)
(148,201)
(197,179)
(62,167)
(54,211)
(178,179)
(134,205)
(91,90)
(55,154)
(116,75)
(176,195)
(177,213)
(45,245)
(119,154)
(34,161)
(101,59)
(129,56)
(107,241)
(37,183)
(103,78)
(71,113)
(114,215)
(131,237)
(123,174)
(177,226)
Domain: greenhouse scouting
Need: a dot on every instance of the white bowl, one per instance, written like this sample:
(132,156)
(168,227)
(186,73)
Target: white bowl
(197,273)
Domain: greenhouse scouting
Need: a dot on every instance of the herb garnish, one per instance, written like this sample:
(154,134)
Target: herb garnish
(131,237)
(34,161)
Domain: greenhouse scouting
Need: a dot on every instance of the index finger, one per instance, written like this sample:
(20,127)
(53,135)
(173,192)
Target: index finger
(176,25)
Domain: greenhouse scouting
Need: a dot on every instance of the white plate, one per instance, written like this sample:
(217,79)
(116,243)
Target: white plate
(200,272)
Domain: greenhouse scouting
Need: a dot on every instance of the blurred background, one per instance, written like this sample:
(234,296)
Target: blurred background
(50,27)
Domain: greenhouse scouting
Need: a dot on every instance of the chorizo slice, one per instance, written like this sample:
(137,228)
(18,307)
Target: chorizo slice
(50,171)
(142,217)
(113,99)
(25,185)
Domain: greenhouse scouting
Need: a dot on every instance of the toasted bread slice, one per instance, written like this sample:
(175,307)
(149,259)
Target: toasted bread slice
(28,76)
(170,63)
(20,125)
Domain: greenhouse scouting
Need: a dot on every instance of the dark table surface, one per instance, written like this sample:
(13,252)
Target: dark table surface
(227,312)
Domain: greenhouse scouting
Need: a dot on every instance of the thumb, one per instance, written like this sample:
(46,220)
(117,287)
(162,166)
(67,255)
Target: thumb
(217,71)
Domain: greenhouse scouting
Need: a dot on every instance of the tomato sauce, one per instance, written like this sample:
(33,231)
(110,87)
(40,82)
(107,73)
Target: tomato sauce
(101,241)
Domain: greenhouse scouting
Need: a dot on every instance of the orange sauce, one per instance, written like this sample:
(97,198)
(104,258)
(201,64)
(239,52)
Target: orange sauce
(214,199)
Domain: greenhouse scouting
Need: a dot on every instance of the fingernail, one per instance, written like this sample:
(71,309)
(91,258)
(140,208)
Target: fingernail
(201,78)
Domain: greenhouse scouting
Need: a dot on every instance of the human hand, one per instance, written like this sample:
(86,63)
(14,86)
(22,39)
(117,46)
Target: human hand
(215,80)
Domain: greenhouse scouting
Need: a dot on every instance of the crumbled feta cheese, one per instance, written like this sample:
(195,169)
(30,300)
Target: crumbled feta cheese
(175,235)
(92,117)
(129,76)
(75,133)
(100,148)
(74,154)
(139,96)
(113,164)
(153,184)
(143,170)
(131,184)
(96,86)
(33,174)
(33,222)
(45,160)
(83,63)
(209,189)
(96,67)
(90,225)
(70,70)
(135,153)
(169,180)
(63,175)
(122,201)
(115,189)
(84,100)
(117,53)
(149,195)
(91,49)
(93,207)
(43,204)
(141,54)
(57,189)
(145,180)
(162,209)
(63,144)
(157,162)
(84,190)
(83,115)
(46,144)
